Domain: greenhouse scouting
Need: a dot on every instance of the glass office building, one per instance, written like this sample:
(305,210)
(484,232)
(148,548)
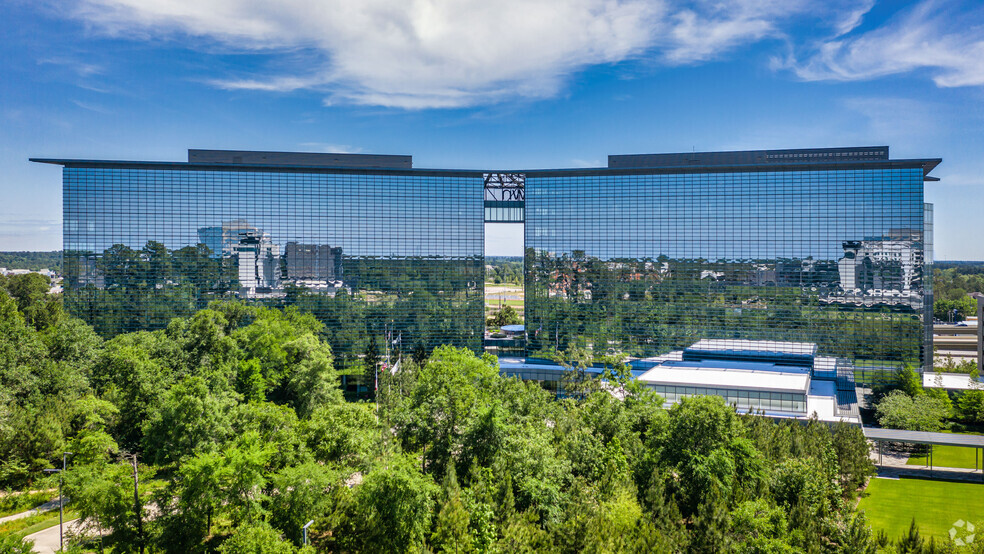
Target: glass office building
(656,252)
(385,252)
(646,256)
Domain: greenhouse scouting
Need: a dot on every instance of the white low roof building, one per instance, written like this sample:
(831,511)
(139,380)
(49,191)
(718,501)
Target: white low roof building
(729,375)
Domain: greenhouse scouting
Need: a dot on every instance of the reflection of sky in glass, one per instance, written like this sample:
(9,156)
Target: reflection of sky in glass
(728,216)
(366,215)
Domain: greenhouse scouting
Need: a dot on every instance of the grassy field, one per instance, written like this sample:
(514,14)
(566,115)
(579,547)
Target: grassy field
(890,505)
(949,456)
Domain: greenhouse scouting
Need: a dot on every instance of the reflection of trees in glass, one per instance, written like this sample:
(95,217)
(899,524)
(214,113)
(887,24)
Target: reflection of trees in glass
(645,307)
(412,300)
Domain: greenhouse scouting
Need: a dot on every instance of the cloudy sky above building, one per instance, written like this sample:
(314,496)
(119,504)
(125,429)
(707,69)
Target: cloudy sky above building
(488,84)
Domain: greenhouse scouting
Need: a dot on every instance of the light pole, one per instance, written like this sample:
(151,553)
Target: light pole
(305,528)
(61,500)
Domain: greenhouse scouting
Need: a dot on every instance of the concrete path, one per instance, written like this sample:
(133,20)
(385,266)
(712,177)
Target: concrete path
(46,541)
(50,505)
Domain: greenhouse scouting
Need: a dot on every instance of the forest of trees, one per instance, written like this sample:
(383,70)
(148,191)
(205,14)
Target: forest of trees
(504,269)
(34,261)
(952,282)
(242,435)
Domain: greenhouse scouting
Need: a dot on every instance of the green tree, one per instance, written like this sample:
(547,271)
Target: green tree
(392,508)
(256,538)
(312,380)
(451,528)
(710,533)
(506,316)
(102,493)
(300,494)
(447,394)
(39,308)
(191,420)
(12,544)
(370,365)
(898,410)
(853,459)
(342,433)
(971,405)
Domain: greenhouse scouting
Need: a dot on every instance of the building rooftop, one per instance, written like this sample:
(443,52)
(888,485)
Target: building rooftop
(730,375)
(312,159)
(750,160)
(806,155)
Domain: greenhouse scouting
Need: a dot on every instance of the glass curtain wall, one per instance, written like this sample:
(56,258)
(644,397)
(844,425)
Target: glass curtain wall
(392,255)
(644,263)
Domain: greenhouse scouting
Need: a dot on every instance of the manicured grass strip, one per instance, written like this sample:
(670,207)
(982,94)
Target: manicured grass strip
(15,503)
(948,456)
(33,524)
(890,505)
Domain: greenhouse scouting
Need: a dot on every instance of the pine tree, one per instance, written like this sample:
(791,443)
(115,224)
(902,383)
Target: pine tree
(451,532)
(912,542)
(710,533)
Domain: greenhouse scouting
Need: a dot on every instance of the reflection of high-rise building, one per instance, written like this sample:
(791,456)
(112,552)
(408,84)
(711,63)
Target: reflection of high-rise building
(369,245)
(259,261)
(754,242)
(893,262)
(222,240)
(312,262)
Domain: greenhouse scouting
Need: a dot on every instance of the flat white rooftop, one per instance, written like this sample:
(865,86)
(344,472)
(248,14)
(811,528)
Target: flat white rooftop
(805,348)
(950,381)
(729,375)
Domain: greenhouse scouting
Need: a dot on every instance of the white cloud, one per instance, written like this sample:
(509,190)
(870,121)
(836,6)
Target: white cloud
(931,36)
(450,53)
(443,53)
(404,53)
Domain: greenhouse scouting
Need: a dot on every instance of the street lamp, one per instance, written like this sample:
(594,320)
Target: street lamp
(305,528)
(61,500)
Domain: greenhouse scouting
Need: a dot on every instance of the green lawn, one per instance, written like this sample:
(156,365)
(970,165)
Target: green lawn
(890,505)
(949,456)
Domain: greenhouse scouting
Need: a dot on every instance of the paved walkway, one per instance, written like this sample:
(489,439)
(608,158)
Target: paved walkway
(47,541)
(50,505)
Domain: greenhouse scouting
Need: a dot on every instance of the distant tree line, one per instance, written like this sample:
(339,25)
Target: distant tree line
(34,261)
(502,269)
(951,287)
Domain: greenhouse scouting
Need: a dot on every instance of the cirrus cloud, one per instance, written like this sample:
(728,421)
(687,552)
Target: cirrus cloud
(936,36)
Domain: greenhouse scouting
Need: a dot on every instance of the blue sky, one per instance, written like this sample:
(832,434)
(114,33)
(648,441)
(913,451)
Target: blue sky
(488,84)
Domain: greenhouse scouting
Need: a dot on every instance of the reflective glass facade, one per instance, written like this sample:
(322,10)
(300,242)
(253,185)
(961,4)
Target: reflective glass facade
(370,253)
(645,257)
(649,261)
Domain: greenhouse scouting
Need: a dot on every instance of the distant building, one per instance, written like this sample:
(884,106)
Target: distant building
(312,262)
(222,240)
(259,263)
(889,263)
